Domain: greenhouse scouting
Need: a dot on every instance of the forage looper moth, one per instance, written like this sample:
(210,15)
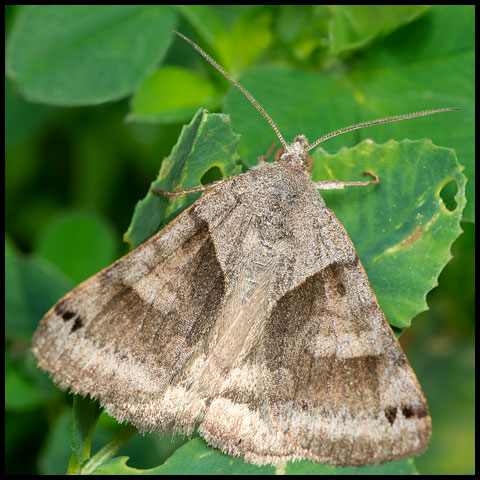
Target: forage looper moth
(250,313)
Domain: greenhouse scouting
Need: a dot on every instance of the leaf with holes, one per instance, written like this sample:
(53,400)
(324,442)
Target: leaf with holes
(403,228)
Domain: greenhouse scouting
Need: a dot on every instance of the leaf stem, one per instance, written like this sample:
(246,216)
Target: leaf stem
(109,450)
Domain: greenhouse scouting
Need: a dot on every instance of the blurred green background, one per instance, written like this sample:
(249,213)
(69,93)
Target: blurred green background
(96,97)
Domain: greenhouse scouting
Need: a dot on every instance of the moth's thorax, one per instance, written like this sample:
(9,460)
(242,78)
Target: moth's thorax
(295,154)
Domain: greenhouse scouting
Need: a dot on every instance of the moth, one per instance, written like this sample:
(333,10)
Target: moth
(252,315)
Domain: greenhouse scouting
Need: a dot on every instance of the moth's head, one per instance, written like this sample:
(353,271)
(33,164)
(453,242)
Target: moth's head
(295,154)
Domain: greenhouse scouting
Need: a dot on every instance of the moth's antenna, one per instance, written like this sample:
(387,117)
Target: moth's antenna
(376,122)
(242,89)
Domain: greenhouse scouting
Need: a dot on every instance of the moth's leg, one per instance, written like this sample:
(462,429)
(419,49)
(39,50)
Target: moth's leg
(263,158)
(200,188)
(336,184)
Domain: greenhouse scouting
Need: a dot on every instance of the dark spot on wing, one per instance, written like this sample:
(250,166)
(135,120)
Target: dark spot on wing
(61,308)
(77,324)
(391,413)
(68,315)
(407,412)
(421,411)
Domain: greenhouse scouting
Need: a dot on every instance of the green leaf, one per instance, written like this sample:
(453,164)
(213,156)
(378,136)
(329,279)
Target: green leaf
(246,40)
(402,228)
(193,458)
(353,26)
(85,414)
(91,238)
(32,286)
(205,20)
(198,458)
(118,466)
(24,118)
(294,24)
(207,142)
(157,99)
(418,67)
(86,54)
(21,393)
(305,467)
(205,460)
(57,448)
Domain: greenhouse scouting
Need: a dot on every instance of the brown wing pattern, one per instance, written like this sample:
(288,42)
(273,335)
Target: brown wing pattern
(327,379)
(124,333)
(250,313)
